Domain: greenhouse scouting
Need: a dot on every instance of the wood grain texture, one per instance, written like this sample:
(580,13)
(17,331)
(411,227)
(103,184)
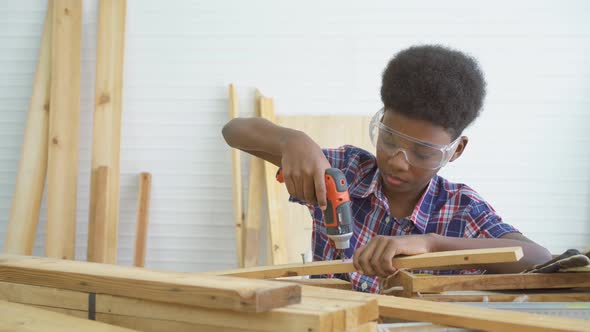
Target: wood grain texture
(207,291)
(18,317)
(437,284)
(143,205)
(108,108)
(64,121)
(464,316)
(275,219)
(442,260)
(254,210)
(97,241)
(547,295)
(32,168)
(237,182)
(317,311)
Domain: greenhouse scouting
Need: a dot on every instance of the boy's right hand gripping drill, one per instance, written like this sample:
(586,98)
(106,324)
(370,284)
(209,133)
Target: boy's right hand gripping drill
(338,214)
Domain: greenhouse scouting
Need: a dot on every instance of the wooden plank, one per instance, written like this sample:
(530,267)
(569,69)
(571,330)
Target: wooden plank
(574,295)
(321,282)
(275,221)
(108,100)
(32,168)
(464,316)
(207,291)
(437,284)
(237,182)
(367,327)
(18,317)
(97,241)
(143,205)
(254,211)
(306,316)
(475,318)
(62,162)
(442,260)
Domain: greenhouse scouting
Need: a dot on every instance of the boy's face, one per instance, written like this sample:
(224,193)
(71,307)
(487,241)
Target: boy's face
(398,175)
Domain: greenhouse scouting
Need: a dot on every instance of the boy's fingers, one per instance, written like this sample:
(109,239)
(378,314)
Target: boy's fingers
(387,258)
(308,190)
(320,189)
(377,257)
(364,259)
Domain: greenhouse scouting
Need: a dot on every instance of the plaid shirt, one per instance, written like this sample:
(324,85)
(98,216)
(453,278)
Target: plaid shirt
(445,208)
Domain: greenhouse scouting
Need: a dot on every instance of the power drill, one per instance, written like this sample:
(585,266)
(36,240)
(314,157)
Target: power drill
(338,214)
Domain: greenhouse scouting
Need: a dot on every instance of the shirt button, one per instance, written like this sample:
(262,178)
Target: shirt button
(387,219)
(364,285)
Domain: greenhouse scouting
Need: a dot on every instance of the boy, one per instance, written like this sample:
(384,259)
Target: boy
(400,205)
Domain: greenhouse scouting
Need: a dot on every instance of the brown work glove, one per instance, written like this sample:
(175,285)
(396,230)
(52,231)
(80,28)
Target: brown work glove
(569,259)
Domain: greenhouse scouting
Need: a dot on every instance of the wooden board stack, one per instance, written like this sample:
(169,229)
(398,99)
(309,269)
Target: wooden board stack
(158,301)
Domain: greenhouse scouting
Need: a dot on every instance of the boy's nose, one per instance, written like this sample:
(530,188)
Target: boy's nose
(399,160)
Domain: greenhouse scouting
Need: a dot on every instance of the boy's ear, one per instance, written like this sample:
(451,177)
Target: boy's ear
(460,148)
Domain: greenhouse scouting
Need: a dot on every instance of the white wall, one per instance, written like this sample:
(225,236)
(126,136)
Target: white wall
(528,153)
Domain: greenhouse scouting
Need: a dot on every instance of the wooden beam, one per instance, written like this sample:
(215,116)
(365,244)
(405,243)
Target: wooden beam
(317,312)
(573,295)
(473,317)
(30,179)
(442,260)
(237,182)
(143,205)
(464,316)
(254,211)
(275,221)
(97,241)
(207,291)
(64,121)
(22,318)
(437,284)
(367,327)
(321,282)
(108,107)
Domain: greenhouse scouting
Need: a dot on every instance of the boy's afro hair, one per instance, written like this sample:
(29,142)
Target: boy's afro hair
(436,84)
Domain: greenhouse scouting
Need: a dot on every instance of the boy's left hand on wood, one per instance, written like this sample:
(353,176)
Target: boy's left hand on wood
(375,258)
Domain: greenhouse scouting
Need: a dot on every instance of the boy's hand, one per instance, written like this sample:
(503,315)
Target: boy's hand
(304,166)
(375,258)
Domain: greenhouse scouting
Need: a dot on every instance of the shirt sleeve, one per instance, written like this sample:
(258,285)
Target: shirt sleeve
(483,222)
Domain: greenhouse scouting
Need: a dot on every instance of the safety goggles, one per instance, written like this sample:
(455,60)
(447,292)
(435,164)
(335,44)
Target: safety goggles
(417,153)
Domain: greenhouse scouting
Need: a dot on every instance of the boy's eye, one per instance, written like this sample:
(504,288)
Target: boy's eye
(422,155)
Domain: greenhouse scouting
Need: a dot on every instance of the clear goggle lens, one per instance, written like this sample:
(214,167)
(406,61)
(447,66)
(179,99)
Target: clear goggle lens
(417,153)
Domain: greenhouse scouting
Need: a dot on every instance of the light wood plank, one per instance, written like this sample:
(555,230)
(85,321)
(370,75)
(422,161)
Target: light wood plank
(367,327)
(437,260)
(437,284)
(574,295)
(207,291)
(275,220)
(143,205)
(108,99)
(321,282)
(464,316)
(97,241)
(64,121)
(305,316)
(254,211)
(16,317)
(32,169)
(237,182)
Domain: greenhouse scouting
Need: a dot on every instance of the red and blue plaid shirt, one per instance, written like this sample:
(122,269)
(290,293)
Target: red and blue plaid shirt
(444,208)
